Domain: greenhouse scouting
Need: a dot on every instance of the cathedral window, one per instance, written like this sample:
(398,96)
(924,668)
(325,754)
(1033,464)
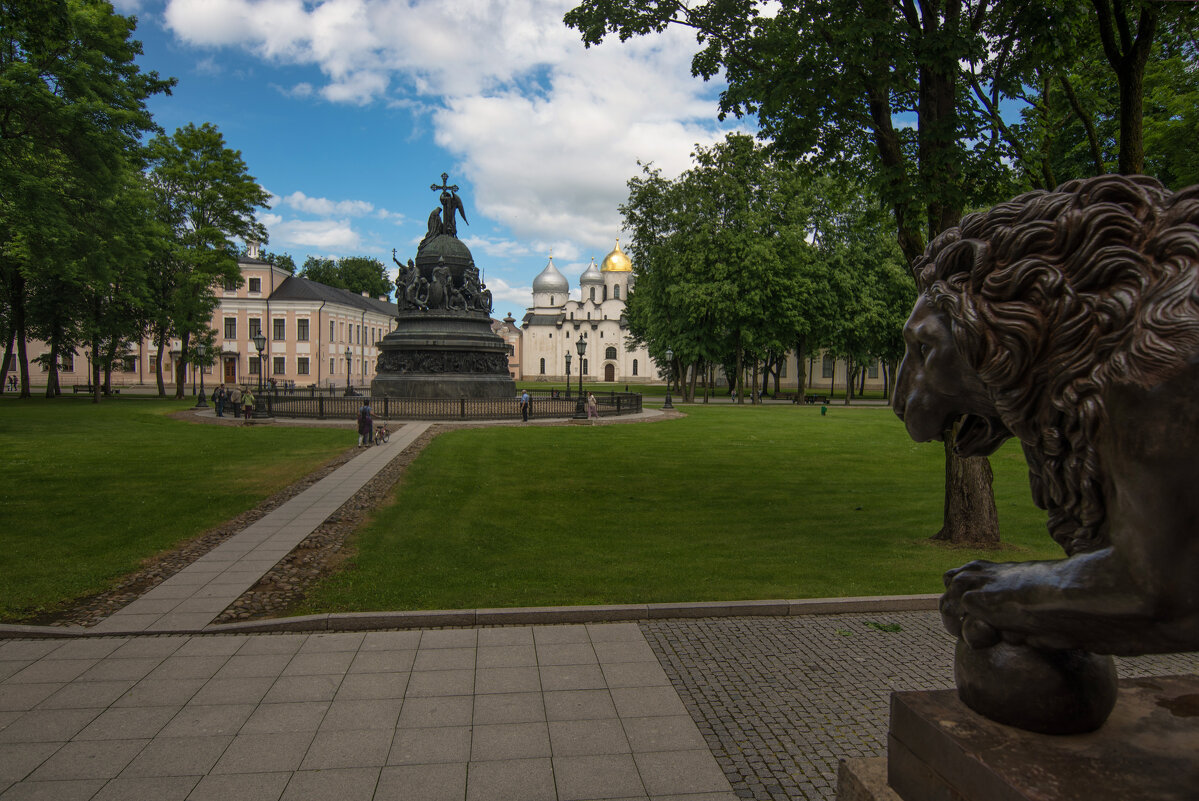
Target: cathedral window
(593,294)
(634,367)
(610,353)
(616,293)
(543,366)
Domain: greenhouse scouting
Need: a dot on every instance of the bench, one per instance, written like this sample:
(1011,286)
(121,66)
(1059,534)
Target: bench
(88,388)
(812,399)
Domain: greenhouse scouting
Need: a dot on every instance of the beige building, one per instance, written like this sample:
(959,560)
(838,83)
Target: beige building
(315,335)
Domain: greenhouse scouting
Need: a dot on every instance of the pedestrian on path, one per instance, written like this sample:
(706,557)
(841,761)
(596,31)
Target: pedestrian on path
(235,400)
(524,406)
(592,408)
(218,398)
(247,399)
(365,424)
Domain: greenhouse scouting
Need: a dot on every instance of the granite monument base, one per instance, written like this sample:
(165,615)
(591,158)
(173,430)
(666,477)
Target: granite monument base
(940,750)
(443,355)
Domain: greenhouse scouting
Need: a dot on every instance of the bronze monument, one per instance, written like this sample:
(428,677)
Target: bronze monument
(1070,320)
(443,345)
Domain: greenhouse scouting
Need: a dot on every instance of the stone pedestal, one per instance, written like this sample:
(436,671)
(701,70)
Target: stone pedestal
(443,354)
(939,750)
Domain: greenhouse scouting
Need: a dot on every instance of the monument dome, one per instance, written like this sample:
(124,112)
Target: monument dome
(617,261)
(591,275)
(550,280)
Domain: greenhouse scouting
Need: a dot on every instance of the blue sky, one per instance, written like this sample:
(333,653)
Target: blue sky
(347,110)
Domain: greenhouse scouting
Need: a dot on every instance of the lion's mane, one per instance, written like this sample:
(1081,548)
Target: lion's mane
(1055,296)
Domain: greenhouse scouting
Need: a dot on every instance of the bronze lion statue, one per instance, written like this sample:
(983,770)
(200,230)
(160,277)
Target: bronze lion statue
(1070,320)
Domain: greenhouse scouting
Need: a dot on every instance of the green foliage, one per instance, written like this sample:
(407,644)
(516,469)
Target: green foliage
(87,492)
(357,274)
(72,113)
(205,199)
(727,503)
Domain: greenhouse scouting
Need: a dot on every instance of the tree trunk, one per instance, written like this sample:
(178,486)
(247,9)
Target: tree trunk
(849,377)
(1127,57)
(8,347)
(181,368)
(970,516)
(740,375)
(17,299)
(800,375)
(52,371)
(162,388)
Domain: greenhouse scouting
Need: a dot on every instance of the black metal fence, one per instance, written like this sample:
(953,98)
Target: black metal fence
(544,403)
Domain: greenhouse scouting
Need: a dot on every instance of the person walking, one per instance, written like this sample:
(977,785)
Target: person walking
(365,424)
(592,408)
(218,398)
(247,399)
(524,406)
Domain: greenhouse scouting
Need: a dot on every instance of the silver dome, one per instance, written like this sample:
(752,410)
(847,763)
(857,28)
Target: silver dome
(550,280)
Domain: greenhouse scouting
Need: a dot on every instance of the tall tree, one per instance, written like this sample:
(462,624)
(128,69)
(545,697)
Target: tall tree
(720,251)
(206,198)
(72,112)
(828,78)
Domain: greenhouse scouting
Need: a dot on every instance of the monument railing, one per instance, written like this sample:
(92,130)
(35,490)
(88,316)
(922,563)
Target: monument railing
(544,404)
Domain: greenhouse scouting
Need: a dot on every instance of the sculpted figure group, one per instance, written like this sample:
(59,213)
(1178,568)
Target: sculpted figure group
(414,291)
(1069,320)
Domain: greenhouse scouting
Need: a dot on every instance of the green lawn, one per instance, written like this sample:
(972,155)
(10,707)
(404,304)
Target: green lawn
(728,503)
(87,491)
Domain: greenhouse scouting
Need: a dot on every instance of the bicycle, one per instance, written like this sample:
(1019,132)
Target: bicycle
(382,434)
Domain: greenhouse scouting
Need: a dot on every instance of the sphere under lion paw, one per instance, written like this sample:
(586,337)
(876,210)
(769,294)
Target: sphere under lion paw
(1045,691)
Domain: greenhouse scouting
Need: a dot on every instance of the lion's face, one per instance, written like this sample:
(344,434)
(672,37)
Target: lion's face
(936,387)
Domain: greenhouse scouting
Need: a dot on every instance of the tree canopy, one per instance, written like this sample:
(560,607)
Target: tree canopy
(358,274)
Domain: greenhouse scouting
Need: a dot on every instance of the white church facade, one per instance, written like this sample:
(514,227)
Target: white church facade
(553,325)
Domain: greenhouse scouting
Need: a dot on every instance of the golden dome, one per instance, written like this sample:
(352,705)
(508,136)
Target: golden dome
(616,261)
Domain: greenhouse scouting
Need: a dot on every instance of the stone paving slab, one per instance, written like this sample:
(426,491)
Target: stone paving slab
(780,700)
(565,713)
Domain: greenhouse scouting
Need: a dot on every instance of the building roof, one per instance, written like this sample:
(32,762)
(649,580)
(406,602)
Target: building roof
(591,275)
(542,319)
(296,288)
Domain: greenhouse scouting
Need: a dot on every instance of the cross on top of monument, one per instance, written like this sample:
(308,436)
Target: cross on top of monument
(445,176)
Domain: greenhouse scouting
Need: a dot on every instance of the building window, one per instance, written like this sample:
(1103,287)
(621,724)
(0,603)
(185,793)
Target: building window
(302,365)
(610,353)
(634,367)
(332,371)
(230,328)
(585,370)
(826,366)
(341,331)
(872,370)
(280,365)
(279,329)
(543,366)
(255,284)
(357,335)
(68,363)
(231,284)
(301,330)
(551,300)
(330,330)
(593,294)
(255,327)
(616,293)
(605,291)
(129,364)
(153,364)
(253,365)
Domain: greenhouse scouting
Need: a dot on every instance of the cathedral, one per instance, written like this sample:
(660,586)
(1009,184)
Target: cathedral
(553,325)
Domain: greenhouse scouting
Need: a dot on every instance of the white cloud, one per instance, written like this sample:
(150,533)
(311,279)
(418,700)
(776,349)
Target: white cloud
(333,235)
(547,131)
(322,206)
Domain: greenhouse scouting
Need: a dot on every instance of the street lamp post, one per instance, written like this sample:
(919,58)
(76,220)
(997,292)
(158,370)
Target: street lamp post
(259,400)
(580,408)
(201,403)
(568,376)
(669,376)
(349,362)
